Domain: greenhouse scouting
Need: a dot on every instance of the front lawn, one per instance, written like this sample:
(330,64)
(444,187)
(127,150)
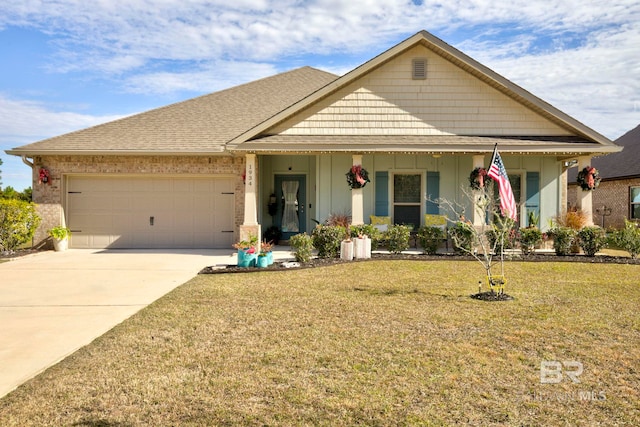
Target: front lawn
(369,343)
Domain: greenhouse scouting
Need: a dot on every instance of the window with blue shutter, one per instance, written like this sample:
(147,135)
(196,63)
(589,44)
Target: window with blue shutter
(533,195)
(382,193)
(433,193)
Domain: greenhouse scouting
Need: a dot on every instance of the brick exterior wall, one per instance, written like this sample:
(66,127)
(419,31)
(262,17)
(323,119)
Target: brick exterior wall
(50,198)
(613,194)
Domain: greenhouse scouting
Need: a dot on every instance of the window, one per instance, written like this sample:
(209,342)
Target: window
(407,202)
(634,196)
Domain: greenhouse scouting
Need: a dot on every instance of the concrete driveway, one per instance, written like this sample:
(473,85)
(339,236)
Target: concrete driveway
(53,303)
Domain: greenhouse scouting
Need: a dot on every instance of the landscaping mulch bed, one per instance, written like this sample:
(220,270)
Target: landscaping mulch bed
(323,262)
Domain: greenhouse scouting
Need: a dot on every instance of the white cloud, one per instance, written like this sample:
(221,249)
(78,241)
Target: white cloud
(572,53)
(22,122)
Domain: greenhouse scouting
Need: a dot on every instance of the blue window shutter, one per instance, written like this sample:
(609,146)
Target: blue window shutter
(533,194)
(382,193)
(433,192)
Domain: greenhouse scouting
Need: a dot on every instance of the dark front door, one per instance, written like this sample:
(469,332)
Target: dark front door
(291,216)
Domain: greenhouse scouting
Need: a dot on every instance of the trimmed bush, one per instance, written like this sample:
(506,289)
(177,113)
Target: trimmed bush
(302,247)
(367,230)
(529,238)
(563,238)
(463,237)
(18,223)
(429,238)
(326,239)
(627,238)
(398,238)
(592,239)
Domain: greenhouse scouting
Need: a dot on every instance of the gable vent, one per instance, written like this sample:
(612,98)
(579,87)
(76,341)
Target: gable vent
(419,69)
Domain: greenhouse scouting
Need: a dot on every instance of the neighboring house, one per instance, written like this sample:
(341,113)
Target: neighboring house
(618,196)
(204,172)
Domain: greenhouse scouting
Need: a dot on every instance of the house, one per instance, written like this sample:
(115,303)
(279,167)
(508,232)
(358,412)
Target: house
(618,196)
(419,118)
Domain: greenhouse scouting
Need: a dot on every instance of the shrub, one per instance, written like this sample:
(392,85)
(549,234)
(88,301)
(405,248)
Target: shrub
(627,238)
(592,239)
(575,219)
(463,237)
(367,230)
(18,223)
(509,234)
(326,239)
(398,238)
(302,247)
(563,238)
(529,238)
(430,237)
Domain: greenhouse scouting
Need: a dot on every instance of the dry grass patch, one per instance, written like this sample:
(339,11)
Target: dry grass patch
(376,343)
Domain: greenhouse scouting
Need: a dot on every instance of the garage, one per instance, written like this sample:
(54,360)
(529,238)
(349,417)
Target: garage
(139,212)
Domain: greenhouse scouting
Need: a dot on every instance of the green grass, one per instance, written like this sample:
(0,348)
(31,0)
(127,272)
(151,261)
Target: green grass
(369,343)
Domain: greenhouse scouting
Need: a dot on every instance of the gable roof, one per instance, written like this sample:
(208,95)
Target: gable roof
(200,125)
(586,140)
(239,119)
(625,164)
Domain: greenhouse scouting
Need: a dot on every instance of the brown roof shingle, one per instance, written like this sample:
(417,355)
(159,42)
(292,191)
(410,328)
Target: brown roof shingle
(199,125)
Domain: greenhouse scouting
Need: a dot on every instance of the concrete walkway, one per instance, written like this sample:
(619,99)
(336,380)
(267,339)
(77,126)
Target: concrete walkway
(53,303)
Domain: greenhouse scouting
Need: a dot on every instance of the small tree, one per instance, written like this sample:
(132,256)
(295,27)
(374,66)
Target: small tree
(473,240)
(592,239)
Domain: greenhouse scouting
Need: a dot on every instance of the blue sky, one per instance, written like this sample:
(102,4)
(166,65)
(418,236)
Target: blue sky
(71,64)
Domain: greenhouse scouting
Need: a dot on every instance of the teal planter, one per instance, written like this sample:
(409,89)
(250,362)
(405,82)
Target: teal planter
(246,259)
(263,261)
(269,258)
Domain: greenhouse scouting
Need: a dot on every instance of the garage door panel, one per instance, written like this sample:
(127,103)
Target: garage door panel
(116,212)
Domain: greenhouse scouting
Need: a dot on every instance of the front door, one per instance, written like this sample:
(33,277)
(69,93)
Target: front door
(291,216)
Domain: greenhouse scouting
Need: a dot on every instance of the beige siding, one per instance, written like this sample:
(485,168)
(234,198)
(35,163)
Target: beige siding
(388,102)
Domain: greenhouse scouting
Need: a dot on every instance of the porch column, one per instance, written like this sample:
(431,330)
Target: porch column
(250,223)
(478,214)
(357,199)
(585,198)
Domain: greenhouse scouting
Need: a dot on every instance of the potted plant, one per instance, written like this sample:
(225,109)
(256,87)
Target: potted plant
(60,236)
(247,251)
(263,260)
(266,248)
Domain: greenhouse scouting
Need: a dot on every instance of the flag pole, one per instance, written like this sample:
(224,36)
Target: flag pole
(493,157)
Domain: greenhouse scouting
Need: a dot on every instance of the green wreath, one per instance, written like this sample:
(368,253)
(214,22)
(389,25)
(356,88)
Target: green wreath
(478,178)
(357,177)
(589,178)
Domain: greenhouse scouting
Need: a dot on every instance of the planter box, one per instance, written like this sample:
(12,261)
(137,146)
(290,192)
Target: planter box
(246,259)
(362,248)
(346,250)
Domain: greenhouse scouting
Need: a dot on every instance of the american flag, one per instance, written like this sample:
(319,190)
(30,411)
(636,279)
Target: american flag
(499,173)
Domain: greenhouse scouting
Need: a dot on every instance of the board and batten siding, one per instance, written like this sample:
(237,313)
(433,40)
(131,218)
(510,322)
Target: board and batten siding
(387,101)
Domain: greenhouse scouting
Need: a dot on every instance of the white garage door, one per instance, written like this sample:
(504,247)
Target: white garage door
(154,212)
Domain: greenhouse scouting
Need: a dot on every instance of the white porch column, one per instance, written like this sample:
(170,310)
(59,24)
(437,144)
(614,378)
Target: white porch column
(585,198)
(250,223)
(357,199)
(478,214)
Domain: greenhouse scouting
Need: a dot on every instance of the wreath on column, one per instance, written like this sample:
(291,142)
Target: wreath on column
(478,178)
(589,178)
(357,177)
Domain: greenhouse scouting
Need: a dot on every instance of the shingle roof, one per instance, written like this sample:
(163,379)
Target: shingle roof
(199,125)
(618,165)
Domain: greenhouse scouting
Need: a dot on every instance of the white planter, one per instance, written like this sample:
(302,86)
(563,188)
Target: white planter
(346,250)
(60,245)
(362,248)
